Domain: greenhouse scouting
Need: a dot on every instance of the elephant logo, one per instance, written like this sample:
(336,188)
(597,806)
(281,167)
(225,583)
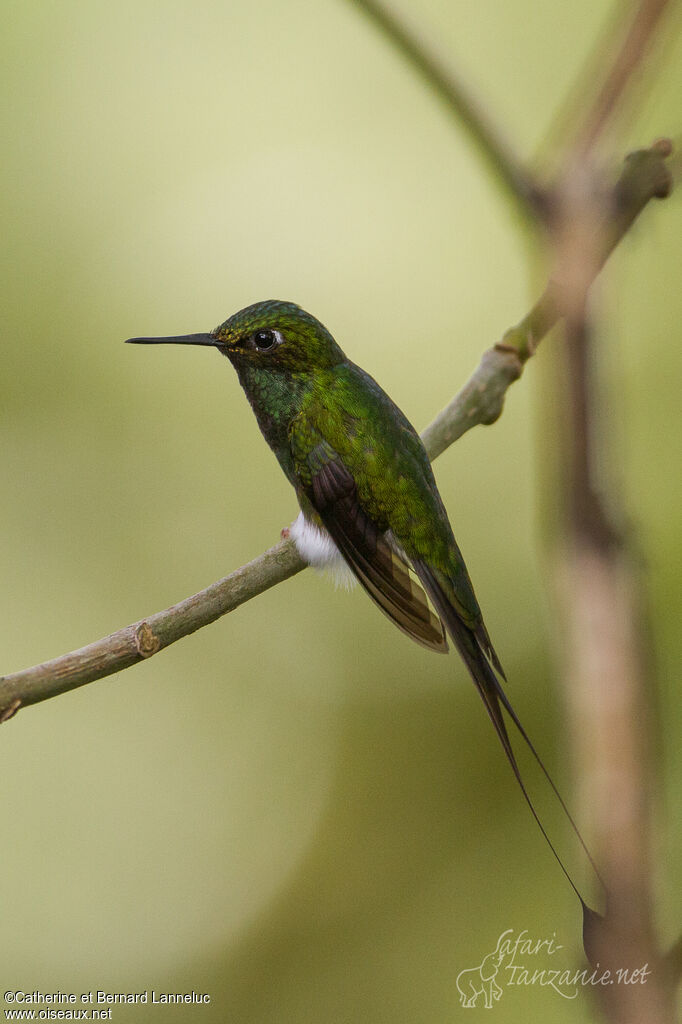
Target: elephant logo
(473,982)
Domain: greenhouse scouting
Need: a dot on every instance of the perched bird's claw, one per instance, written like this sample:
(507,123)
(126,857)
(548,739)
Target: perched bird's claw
(285,533)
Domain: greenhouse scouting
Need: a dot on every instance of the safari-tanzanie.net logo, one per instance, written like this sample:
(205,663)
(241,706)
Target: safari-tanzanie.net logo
(520,961)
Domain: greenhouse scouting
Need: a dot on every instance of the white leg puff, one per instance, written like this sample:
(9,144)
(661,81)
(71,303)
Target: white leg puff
(317,548)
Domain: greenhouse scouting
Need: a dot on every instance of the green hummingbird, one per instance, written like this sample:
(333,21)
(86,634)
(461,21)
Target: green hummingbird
(366,491)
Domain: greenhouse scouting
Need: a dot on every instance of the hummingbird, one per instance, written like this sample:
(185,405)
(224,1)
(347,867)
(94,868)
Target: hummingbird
(367,495)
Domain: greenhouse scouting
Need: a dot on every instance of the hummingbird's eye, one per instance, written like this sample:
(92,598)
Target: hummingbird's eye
(265,340)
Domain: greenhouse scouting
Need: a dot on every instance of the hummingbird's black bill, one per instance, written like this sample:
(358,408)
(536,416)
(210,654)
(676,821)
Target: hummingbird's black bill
(181,339)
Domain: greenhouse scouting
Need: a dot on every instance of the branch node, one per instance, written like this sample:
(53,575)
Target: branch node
(664,147)
(520,345)
(10,711)
(500,366)
(650,176)
(146,640)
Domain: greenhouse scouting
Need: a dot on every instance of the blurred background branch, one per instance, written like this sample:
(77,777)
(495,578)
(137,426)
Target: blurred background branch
(624,64)
(469,112)
(607,666)
(608,659)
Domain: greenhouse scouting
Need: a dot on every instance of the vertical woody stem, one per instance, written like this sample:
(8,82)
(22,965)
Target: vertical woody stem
(607,665)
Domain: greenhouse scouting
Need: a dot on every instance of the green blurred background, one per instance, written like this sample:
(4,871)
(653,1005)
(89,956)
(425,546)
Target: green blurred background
(296,810)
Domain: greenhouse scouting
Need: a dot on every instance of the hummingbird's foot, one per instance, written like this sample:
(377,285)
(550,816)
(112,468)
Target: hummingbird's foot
(285,533)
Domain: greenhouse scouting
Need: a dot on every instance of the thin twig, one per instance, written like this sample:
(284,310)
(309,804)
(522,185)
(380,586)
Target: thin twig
(622,68)
(585,103)
(644,177)
(497,152)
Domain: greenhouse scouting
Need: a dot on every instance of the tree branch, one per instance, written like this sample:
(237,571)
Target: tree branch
(645,176)
(147,637)
(496,151)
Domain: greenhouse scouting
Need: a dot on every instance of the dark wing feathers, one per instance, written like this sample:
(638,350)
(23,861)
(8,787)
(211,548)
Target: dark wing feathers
(379,569)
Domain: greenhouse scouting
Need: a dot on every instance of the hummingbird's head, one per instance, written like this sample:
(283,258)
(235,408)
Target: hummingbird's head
(272,334)
(277,334)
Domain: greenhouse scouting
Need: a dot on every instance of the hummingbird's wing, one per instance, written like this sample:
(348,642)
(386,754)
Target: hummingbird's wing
(382,572)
